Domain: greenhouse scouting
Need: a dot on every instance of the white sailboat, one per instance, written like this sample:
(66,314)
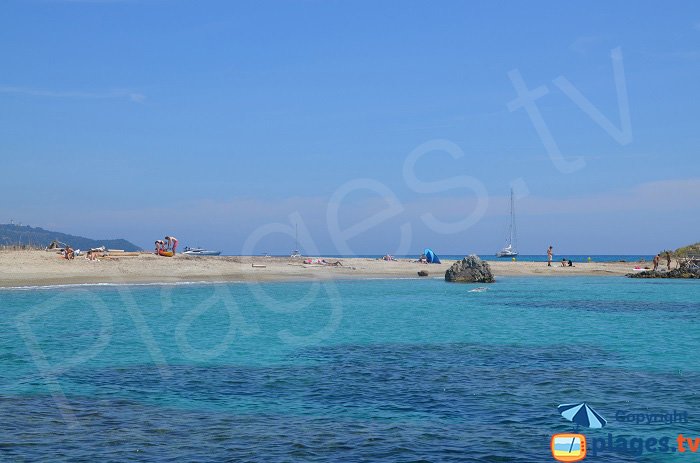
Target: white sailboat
(510,249)
(296,252)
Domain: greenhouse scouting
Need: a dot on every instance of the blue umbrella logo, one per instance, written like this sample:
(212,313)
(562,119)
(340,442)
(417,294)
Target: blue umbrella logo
(582,415)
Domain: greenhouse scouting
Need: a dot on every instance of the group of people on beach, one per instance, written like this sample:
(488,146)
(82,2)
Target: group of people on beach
(169,243)
(337,263)
(657,259)
(569,263)
(564,261)
(68,253)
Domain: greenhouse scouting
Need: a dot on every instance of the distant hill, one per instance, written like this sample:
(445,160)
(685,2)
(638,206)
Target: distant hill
(23,235)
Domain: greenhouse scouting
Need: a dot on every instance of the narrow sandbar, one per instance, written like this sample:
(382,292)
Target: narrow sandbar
(39,268)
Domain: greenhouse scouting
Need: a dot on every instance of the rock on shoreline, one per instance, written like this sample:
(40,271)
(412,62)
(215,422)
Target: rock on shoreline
(470,270)
(675,273)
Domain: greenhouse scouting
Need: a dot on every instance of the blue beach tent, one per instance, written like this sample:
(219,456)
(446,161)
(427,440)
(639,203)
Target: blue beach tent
(431,257)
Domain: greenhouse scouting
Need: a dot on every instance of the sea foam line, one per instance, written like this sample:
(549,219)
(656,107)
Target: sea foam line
(94,285)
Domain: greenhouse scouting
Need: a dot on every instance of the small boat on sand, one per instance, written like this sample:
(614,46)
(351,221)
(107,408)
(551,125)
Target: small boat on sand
(200,252)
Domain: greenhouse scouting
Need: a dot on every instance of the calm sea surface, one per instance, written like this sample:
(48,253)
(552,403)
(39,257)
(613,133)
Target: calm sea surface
(351,371)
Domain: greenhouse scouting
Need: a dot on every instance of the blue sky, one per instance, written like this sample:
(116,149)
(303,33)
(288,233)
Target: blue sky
(210,119)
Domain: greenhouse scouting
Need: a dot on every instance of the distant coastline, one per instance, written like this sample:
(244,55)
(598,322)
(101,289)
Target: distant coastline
(23,236)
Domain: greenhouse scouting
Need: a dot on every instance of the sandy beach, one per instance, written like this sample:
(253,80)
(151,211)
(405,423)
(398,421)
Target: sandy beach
(37,268)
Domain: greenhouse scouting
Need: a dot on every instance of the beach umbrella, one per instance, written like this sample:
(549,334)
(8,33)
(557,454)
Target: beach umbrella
(582,415)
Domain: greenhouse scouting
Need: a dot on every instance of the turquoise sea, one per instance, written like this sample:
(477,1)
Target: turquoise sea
(350,371)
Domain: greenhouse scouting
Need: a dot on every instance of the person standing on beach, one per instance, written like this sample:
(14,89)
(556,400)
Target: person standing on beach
(657,258)
(172,243)
(550,254)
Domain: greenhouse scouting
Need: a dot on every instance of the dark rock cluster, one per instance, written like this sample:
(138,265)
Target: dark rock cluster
(470,270)
(675,273)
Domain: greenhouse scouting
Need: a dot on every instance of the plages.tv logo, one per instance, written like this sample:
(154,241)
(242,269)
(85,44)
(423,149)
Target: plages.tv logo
(569,447)
(575,447)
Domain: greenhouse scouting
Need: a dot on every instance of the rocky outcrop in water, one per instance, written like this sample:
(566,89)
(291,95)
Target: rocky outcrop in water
(688,267)
(470,270)
(675,273)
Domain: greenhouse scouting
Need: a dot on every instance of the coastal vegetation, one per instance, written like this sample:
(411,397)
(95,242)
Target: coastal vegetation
(685,251)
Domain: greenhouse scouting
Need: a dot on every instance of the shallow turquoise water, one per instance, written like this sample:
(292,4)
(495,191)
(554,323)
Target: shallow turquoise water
(380,370)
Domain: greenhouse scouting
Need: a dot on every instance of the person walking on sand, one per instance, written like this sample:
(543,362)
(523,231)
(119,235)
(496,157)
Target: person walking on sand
(172,243)
(550,254)
(657,258)
(668,260)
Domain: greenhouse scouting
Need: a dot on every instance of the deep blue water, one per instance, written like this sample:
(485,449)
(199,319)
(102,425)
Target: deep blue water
(381,370)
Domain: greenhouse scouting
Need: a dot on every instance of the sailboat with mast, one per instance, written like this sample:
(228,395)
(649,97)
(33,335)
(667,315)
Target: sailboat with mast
(511,247)
(296,252)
